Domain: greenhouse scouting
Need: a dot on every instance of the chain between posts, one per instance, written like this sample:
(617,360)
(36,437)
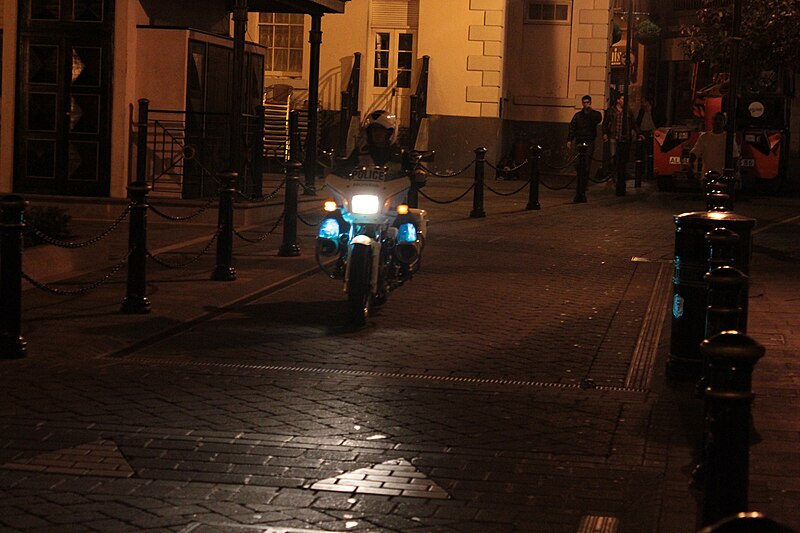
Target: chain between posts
(264,235)
(197,213)
(83,290)
(72,245)
(498,193)
(447,175)
(263,198)
(457,198)
(194,259)
(306,222)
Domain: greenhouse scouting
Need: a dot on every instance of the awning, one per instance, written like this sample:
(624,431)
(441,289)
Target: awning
(310,7)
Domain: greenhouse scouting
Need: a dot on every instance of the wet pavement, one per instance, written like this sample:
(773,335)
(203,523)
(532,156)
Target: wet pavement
(515,384)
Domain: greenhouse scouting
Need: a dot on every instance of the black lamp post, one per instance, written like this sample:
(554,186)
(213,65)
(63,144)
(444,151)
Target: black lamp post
(237,85)
(623,143)
(729,172)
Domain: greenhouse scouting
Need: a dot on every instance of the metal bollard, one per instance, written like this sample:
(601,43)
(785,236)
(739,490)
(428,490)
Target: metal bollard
(410,167)
(294,136)
(690,291)
(141,141)
(534,156)
(724,312)
(623,150)
(732,356)
(12,224)
(648,168)
(639,164)
(583,174)
(289,247)
(257,168)
(722,244)
(717,198)
(477,193)
(135,301)
(224,271)
(728,180)
(723,247)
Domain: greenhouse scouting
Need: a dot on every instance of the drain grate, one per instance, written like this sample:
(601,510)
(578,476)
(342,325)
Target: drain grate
(387,375)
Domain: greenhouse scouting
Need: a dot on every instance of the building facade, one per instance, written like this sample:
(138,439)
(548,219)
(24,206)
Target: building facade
(74,72)
(496,67)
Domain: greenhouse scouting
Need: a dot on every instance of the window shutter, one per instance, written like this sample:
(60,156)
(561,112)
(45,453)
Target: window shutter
(395,14)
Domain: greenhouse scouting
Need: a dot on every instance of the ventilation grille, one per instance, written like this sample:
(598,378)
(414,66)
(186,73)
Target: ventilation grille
(395,14)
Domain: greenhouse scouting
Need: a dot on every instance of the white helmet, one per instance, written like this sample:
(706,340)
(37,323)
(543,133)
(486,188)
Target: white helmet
(383,119)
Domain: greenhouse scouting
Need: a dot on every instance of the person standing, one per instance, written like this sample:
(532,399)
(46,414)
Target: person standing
(583,129)
(710,148)
(614,130)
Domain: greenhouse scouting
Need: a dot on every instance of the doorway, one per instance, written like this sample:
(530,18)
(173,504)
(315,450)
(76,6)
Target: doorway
(392,66)
(62,133)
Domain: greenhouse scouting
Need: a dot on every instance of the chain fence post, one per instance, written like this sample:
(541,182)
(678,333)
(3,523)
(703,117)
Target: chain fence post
(534,157)
(141,141)
(289,247)
(733,357)
(410,165)
(258,154)
(623,151)
(294,135)
(583,174)
(224,270)
(135,301)
(639,164)
(12,224)
(477,193)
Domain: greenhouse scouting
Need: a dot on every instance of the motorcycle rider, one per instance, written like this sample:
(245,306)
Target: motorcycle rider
(377,145)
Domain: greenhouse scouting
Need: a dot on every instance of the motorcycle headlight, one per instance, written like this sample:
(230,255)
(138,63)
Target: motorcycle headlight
(329,229)
(365,204)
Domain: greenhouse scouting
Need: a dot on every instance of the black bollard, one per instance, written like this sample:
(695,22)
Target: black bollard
(723,251)
(410,161)
(141,141)
(732,356)
(648,168)
(12,224)
(135,301)
(294,136)
(722,244)
(534,157)
(639,166)
(717,198)
(724,313)
(224,271)
(257,168)
(623,150)
(477,193)
(289,247)
(728,180)
(583,174)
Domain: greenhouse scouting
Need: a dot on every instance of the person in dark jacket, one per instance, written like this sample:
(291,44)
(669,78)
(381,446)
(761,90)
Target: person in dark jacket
(583,129)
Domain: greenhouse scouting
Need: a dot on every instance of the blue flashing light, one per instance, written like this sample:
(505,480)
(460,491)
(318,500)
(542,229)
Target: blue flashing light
(406,233)
(329,229)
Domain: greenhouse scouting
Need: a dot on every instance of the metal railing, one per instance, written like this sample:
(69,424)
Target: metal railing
(349,103)
(185,151)
(419,102)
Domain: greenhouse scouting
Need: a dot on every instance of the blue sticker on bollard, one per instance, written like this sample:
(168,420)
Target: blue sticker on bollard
(677,306)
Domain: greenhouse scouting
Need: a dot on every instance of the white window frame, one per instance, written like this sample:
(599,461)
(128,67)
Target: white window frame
(529,20)
(270,49)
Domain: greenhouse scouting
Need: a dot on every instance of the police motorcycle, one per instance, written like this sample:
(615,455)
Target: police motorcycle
(375,237)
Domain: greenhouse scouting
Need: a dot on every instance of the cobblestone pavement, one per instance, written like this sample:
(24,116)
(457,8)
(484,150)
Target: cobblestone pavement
(515,384)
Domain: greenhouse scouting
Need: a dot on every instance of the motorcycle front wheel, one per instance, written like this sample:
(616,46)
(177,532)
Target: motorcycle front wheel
(359,295)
